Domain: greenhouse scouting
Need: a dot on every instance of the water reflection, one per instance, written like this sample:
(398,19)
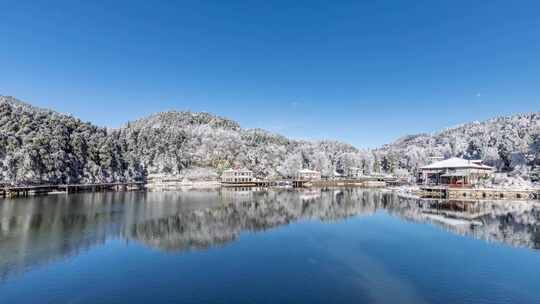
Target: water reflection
(40,229)
(514,223)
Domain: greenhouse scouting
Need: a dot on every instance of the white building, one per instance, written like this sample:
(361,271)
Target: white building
(237,176)
(355,172)
(310,175)
(455,171)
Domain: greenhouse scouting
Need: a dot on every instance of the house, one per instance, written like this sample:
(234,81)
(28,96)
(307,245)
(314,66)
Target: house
(454,171)
(309,175)
(355,172)
(237,176)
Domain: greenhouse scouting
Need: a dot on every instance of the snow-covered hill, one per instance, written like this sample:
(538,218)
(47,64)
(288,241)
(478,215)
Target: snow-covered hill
(507,143)
(43,146)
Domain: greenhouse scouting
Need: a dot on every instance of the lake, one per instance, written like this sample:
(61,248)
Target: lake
(267,246)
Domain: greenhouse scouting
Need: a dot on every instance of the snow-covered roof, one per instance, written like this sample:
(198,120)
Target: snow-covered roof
(308,171)
(455,163)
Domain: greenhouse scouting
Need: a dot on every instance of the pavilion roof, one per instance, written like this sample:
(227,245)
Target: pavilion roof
(456,163)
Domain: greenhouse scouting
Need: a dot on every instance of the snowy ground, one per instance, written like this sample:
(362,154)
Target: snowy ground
(508,182)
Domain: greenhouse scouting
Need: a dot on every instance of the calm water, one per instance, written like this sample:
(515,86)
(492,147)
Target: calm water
(315,246)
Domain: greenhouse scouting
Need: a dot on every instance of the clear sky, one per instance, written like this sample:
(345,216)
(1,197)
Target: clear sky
(365,72)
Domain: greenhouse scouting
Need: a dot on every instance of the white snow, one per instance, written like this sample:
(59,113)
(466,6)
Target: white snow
(456,162)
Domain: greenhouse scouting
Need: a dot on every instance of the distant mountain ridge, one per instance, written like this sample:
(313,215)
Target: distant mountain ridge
(43,146)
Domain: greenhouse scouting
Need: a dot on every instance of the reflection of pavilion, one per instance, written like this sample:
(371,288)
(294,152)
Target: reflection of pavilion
(467,210)
(516,223)
(453,215)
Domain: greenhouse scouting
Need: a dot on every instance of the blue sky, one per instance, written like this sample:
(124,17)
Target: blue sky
(365,72)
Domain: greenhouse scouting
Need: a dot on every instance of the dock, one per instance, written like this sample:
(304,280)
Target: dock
(238,184)
(367,181)
(254,183)
(15,191)
(477,193)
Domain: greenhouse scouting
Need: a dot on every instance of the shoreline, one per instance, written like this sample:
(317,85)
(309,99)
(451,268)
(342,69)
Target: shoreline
(411,191)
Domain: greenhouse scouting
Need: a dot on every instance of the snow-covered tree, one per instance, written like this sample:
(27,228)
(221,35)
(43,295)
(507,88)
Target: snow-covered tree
(43,146)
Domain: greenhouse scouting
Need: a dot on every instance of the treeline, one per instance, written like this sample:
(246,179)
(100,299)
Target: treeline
(510,144)
(42,146)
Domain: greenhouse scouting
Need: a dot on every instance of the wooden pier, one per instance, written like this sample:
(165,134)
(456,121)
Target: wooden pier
(14,191)
(367,182)
(476,193)
(238,184)
(255,183)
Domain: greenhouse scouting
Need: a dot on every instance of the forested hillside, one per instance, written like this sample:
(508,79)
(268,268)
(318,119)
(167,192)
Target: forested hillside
(42,146)
(508,143)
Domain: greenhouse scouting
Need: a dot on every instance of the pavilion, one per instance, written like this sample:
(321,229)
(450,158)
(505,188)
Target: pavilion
(454,171)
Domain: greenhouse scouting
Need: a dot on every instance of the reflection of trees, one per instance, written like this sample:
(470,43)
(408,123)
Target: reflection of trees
(40,229)
(217,225)
(514,223)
